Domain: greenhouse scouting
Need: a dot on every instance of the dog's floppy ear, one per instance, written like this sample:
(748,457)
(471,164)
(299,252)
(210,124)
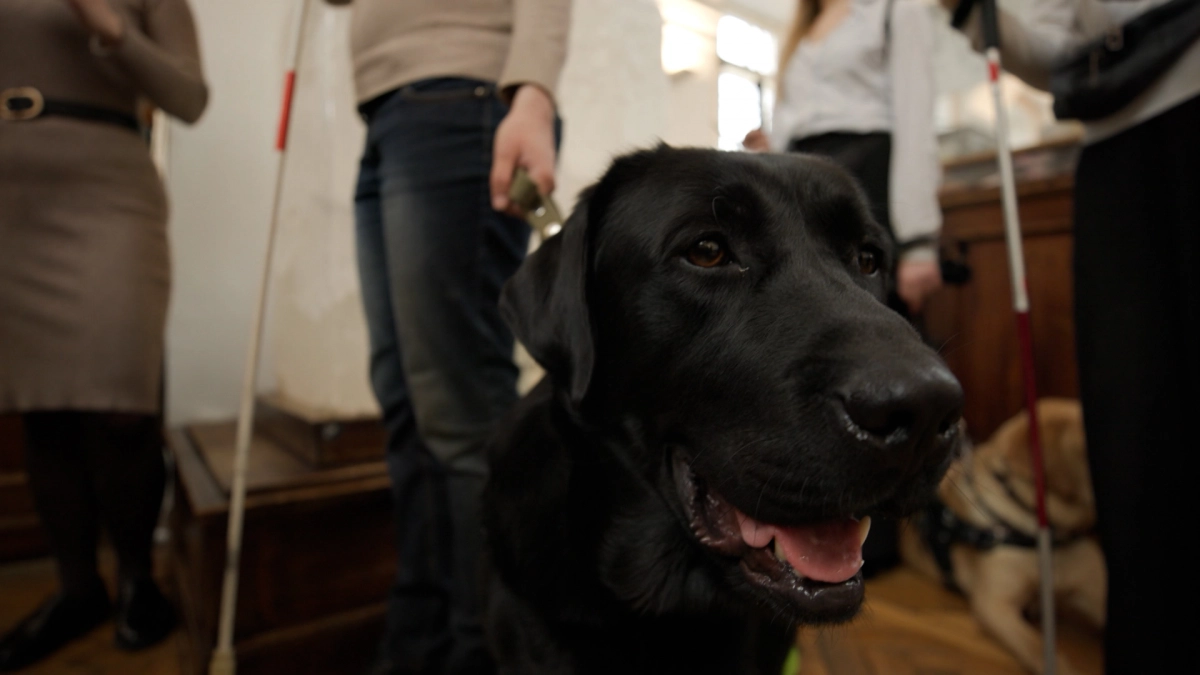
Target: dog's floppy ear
(546,304)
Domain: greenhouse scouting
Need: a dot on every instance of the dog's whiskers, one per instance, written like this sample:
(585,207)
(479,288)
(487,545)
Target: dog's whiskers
(761,492)
(746,446)
(941,349)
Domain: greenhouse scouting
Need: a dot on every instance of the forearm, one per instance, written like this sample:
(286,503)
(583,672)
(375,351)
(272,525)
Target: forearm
(1030,46)
(172,84)
(164,61)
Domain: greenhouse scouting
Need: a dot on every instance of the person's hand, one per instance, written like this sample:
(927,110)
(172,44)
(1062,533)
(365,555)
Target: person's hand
(525,138)
(916,280)
(99,17)
(756,141)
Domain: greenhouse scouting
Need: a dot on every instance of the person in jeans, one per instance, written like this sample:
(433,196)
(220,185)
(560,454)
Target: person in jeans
(456,95)
(1137,318)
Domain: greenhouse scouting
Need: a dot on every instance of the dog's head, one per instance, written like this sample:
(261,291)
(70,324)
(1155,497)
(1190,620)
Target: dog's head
(725,313)
(1001,479)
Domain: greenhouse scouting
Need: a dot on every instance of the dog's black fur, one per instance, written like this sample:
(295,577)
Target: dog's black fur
(777,380)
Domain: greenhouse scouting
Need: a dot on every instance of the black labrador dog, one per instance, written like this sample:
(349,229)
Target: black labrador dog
(728,401)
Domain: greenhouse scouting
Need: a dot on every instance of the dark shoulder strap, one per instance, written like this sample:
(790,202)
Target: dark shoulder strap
(887,25)
(958,18)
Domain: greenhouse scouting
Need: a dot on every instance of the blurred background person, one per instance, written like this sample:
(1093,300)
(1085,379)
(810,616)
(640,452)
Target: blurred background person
(1137,311)
(856,84)
(456,95)
(84,285)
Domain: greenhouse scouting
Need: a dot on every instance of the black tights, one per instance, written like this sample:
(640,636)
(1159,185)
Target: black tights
(88,469)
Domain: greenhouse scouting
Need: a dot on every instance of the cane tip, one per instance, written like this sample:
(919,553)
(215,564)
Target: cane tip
(222,663)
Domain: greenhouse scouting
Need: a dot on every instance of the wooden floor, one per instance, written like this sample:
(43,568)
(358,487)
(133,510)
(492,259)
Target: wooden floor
(911,626)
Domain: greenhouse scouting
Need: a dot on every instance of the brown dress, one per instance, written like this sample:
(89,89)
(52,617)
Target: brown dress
(84,264)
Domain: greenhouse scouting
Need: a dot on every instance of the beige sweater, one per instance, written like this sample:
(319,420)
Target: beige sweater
(510,42)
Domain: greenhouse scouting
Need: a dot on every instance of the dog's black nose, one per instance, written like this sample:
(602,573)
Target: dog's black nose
(902,405)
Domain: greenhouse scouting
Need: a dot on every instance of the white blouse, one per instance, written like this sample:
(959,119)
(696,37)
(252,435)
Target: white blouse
(844,83)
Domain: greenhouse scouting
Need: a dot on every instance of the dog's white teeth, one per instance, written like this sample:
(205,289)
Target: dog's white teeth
(780,555)
(864,528)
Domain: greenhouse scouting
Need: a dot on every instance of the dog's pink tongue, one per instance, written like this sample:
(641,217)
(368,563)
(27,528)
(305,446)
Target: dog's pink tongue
(830,552)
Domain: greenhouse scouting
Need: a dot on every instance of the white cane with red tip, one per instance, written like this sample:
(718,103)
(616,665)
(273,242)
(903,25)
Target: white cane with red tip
(1020,295)
(223,662)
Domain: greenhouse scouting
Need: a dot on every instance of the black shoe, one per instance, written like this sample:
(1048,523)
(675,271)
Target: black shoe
(144,616)
(58,621)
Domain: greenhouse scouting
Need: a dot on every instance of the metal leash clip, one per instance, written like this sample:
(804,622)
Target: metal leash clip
(540,210)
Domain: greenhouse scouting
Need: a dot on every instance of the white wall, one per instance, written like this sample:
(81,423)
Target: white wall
(317,335)
(613,93)
(220,180)
(692,101)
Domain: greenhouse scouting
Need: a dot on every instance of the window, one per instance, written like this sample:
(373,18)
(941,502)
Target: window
(745,45)
(748,57)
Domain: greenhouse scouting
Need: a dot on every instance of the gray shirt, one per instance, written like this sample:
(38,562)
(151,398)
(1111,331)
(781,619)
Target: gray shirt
(845,81)
(1054,29)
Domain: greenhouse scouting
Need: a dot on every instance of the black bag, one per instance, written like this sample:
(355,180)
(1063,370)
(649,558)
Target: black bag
(1112,70)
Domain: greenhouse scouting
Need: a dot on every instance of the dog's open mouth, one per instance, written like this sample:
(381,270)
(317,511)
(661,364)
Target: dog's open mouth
(815,569)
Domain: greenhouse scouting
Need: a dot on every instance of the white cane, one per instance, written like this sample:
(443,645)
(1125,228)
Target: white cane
(223,661)
(1020,295)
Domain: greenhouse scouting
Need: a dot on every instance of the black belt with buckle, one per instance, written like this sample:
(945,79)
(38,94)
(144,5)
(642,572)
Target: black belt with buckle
(26,103)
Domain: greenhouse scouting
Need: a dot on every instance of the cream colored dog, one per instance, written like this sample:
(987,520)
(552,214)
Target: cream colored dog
(985,531)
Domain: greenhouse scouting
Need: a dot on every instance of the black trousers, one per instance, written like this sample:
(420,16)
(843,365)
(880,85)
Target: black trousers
(1137,318)
(868,157)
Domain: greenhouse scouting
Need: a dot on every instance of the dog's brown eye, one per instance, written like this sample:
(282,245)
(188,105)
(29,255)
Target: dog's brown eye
(868,262)
(707,253)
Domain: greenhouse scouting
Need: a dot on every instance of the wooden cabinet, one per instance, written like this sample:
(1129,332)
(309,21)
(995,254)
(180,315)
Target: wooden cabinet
(317,555)
(974,325)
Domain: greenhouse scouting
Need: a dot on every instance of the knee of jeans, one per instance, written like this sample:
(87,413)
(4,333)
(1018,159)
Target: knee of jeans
(451,432)
(472,462)
(446,431)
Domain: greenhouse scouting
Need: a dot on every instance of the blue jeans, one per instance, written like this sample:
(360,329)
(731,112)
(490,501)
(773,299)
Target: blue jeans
(432,257)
